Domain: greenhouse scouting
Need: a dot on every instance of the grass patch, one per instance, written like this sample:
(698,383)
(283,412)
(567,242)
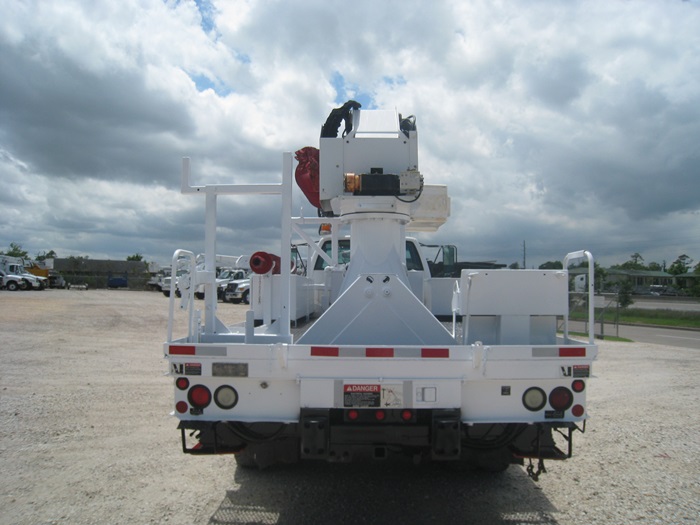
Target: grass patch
(669,318)
(597,336)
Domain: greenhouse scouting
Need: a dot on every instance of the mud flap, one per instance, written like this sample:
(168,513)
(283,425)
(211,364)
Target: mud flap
(446,436)
(315,436)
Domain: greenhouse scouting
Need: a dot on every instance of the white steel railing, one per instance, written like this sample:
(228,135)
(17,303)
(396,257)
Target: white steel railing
(208,275)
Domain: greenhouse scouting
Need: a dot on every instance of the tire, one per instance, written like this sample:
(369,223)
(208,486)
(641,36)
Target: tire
(246,298)
(166,293)
(199,295)
(12,286)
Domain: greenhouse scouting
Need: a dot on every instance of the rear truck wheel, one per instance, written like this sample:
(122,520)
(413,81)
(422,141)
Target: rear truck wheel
(166,293)
(12,286)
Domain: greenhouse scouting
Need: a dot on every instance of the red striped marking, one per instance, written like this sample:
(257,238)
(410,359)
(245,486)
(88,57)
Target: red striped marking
(181,350)
(435,352)
(325,351)
(379,352)
(572,352)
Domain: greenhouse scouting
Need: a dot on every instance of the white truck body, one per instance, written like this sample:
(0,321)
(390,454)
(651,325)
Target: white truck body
(373,373)
(15,266)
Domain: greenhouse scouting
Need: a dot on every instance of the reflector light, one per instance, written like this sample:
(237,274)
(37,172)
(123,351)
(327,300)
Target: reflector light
(435,352)
(199,396)
(534,398)
(181,407)
(379,352)
(353,415)
(182,383)
(406,415)
(325,351)
(577,411)
(578,385)
(226,397)
(380,415)
(182,350)
(561,398)
(572,352)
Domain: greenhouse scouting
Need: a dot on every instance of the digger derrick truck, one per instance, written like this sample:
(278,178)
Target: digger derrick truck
(347,361)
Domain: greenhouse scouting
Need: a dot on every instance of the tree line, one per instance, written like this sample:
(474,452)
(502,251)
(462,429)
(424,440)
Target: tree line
(16,250)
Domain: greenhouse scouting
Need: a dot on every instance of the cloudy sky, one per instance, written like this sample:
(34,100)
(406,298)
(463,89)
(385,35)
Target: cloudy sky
(564,125)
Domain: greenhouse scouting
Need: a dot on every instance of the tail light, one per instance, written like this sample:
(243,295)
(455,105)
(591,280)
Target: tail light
(182,383)
(534,399)
(380,415)
(561,398)
(199,396)
(577,410)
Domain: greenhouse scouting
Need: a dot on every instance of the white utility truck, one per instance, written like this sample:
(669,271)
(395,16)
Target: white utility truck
(344,359)
(14,267)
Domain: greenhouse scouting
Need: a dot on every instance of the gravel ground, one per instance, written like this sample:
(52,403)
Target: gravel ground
(85,438)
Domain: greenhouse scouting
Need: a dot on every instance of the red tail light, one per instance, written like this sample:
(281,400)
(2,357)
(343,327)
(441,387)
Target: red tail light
(182,383)
(353,415)
(406,415)
(577,410)
(380,415)
(578,385)
(181,407)
(199,396)
(561,398)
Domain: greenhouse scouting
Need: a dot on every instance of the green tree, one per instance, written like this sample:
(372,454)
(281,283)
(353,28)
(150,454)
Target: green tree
(135,257)
(551,265)
(42,256)
(681,265)
(636,262)
(624,295)
(16,251)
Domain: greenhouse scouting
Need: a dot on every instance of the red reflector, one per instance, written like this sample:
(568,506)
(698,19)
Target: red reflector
(572,352)
(406,415)
(578,385)
(380,415)
(325,351)
(353,415)
(181,407)
(182,383)
(577,411)
(379,352)
(435,352)
(182,350)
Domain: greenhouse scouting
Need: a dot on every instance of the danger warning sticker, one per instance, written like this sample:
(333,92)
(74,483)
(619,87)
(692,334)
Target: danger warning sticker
(372,396)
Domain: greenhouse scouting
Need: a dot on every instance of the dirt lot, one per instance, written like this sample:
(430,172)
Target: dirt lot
(85,438)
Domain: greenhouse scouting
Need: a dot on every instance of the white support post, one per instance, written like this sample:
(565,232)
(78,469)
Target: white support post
(286,249)
(210,298)
(591,292)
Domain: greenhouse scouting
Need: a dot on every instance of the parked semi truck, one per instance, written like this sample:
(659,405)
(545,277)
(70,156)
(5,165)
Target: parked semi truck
(347,360)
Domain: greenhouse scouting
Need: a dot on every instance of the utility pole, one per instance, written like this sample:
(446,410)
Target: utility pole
(524,256)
